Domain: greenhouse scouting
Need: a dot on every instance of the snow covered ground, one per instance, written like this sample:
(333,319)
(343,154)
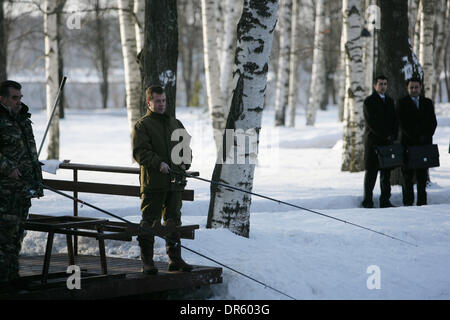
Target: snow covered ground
(304,255)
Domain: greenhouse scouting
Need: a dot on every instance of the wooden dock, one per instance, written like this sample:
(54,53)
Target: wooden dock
(124,279)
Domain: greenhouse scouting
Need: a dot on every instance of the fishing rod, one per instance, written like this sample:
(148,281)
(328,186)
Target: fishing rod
(58,96)
(289,204)
(169,240)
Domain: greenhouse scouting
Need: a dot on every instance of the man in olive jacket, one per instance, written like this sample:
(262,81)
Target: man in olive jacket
(381,127)
(20,176)
(161,191)
(417,126)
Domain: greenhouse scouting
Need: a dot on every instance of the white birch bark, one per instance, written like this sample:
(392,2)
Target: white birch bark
(426,45)
(139,16)
(292,97)
(341,72)
(282,90)
(212,71)
(353,153)
(51,75)
(369,46)
(228,208)
(317,86)
(133,86)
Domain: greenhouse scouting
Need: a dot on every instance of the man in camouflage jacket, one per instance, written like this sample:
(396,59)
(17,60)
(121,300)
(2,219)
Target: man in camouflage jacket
(20,176)
(161,190)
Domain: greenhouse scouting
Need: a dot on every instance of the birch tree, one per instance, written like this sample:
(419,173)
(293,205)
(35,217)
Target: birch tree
(3,45)
(51,74)
(353,147)
(228,208)
(317,87)
(133,85)
(292,97)
(212,70)
(426,44)
(139,17)
(341,78)
(441,39)
(282,92)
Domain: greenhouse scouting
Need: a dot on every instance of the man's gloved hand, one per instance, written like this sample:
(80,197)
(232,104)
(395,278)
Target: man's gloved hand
(164,168)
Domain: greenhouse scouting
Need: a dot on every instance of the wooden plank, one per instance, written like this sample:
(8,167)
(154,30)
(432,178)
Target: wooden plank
(104,188)
(124,278)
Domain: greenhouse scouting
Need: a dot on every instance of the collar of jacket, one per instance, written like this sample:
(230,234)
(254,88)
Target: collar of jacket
(156,115)
(23,113)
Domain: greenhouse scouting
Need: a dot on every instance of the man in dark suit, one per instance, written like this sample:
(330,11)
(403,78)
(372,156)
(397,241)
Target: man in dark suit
(381,127)
(417,126)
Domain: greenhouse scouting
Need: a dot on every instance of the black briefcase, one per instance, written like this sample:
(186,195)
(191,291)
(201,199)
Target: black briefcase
(390,156)
(422,157)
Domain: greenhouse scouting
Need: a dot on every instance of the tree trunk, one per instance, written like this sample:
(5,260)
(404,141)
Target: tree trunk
(441,38)
(101,31)
(160,53)
(396,61)
(139,16)
(51,74)
(317,86)
(62,100)
(232,12)
(292,98)
(340,78)
(3,45)
(353,153)
(417,27)
(426,45)
(133,84)
(212,71)
(231,209)
(413,7)
(282,92)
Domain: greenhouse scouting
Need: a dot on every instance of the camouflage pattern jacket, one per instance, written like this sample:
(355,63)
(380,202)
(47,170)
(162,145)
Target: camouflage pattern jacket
(18,150)
(152,145)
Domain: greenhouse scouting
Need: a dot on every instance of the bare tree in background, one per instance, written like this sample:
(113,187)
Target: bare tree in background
(282,93)
(442,27)
(317,86)
(426,45)
(3,45)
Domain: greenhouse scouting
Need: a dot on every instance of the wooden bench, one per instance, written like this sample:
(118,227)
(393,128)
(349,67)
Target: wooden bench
(100,229)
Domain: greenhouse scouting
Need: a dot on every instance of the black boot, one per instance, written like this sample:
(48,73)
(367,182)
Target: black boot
(148,266)
(146,243)
(176,263)
(173,249)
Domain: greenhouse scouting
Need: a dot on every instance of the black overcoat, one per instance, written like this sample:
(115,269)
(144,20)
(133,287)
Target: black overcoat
(381,127)
(417,125)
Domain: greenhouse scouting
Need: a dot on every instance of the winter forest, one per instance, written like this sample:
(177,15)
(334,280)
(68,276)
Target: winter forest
(291,75)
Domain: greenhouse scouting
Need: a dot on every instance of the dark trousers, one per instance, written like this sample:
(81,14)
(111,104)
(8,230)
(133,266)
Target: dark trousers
(157,205)
(408,186)
(370,178)
(13,214)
